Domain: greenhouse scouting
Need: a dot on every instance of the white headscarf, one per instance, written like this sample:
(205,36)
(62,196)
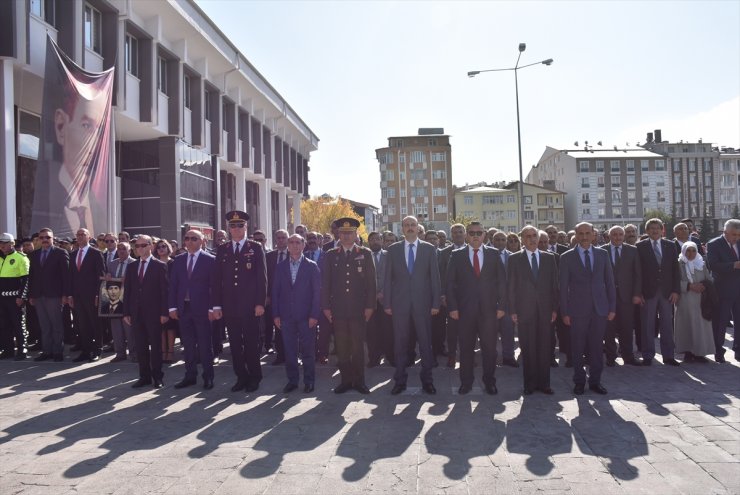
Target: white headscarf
(691,265)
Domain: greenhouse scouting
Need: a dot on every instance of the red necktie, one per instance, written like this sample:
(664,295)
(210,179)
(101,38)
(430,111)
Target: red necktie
(141,270)
(476,263)
(79,259)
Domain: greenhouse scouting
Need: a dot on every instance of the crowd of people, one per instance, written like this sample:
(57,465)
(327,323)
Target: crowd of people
(595,296)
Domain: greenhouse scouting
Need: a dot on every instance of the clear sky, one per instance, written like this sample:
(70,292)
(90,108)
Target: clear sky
(359,72)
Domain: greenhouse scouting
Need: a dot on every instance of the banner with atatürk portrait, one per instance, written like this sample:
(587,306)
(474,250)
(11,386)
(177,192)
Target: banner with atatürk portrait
(73,179)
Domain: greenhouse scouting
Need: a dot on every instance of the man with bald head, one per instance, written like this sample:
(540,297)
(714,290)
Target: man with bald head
(189,302)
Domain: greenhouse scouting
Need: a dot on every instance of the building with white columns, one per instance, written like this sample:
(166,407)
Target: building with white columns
(198,130)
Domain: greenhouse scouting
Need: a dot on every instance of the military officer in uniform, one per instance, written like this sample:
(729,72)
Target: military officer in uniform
(14,266)
(238,293)
(348,299)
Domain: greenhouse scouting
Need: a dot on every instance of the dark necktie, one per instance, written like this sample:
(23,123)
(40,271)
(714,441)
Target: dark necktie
(236,248)
(79,260)
(377,258)
(142,264)
(190,265)
(535,266)
(656,250)
(411,259)
(280,256)
(476,263)
(587,258)
(44,254)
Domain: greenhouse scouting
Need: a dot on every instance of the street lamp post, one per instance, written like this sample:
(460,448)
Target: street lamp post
(473,73)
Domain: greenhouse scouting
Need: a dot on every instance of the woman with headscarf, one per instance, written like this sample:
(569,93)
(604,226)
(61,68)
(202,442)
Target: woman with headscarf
(693,333)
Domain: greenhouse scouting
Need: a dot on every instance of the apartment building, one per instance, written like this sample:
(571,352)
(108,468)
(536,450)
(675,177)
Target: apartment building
(416,179)
(605,186)
(198,130)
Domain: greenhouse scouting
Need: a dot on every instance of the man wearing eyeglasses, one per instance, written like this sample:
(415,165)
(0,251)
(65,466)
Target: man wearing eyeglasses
(190,303)
(238,294)
(476,297)
(48,282)
(86,266)
(145,309)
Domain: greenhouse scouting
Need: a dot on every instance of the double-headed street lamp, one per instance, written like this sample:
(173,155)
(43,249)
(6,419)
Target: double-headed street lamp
(473,73)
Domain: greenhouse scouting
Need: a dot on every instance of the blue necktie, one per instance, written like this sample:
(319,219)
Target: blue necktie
(411,259)
(656,250)
(44,253)
(535,266)
(588,261)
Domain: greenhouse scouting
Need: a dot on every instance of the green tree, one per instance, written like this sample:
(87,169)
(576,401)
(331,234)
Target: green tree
(706,229)
(463,219)
(318,214)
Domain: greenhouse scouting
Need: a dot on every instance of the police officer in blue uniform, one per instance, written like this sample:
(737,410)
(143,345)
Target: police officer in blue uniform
(238,293)
(14,267)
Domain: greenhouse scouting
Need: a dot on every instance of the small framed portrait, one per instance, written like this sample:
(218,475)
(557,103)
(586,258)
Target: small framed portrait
(110,300)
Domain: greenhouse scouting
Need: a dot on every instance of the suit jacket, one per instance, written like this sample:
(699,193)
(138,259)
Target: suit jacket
(197,287)
(627,273)
(470,294)
(330,245)
(348,284)
(85,282)
(443,260)
(559,249)
(51,279)
(420,291)
(147,298)
(581,292)
(105,308)
(113,267)
(665,277)
(297,301)
(721,260)
(271,261)
(308,254)
(380,270)
(239,282)
(529,297)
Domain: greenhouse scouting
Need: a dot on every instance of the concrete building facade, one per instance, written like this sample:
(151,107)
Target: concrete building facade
(198,130)
(416,179)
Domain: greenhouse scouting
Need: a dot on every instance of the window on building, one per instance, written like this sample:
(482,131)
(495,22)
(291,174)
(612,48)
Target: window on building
(660,165)
(692,164)
(404,210)
(631,197)
(677,197)
(645,165)
(585,182)
(440,208)
(401,175)
(439,191)
(726,166)
(585,198)
(692,180)
(632,211)
(439,174)
(660,182)
(417,157)
(207,106)
(616,196)
(707,180)
(614,165)
(162,75)
(599,165)
(390,209)
(661,196)
(601,197)
(527,200)
(418,192)
(630,166)
(432,142)
(583,166)
(708,196)
(645,197)
(416,175)
(602,212)
(391,192)
(438,157)
(92,26)
(727,180)
(420,210)
(510,198)
(616,181)
(676,181)
(402,158)
(528,215)
(186,91)
(707,164)
(399,143)
(630,182)
(44,9)
(29,135)
(131,55)
(586,213)
(600,181)
(402,192)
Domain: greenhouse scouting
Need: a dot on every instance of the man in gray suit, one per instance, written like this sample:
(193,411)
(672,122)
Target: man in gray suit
(625,263)
(379,330)
(412,296)
(587,301)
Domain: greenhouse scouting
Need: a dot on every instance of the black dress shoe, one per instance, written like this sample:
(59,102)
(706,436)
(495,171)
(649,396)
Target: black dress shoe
(647,362)
(237,387)
(184,383)
(289,388)
(598,388)
(719,358)
(527,391)
(158,384)
(118,359)
(428,388)
(491,389)
(398,388)
(21,356)
(207,384)
(464,389)
(81,358)
(141,383)
(342,388)
(671,362)
(700,359)
(510,362)
(547,391)
(42,357)
(362,389)
(93,358)
(611,363)
(251,387)
(308,388)
(633,362)
(553,363)
(579,389)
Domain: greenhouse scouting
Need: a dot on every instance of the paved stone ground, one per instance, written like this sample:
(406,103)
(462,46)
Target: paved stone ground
(82,429)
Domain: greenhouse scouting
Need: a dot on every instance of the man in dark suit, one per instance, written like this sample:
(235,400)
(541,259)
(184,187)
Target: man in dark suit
(506,327)
(723,258)
(335,234)
(412,296)
(476,297)
(552,241)
(379,328)
(86,267)
(587,301)
(533,289)
(145,309)
(457,233)
(238,294)
(625,263)
(296,294)
(271,336)
(190,303)
(313,249)
(48,284)
(683,234)
(348,299)
(660,291)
